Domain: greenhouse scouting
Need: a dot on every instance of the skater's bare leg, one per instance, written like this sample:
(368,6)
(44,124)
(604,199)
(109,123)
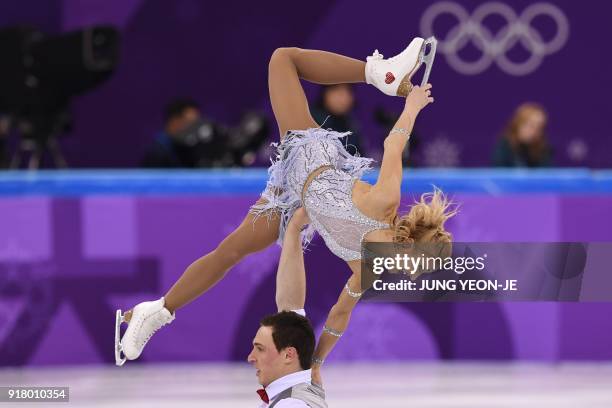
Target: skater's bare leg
(251,236)
(288,65)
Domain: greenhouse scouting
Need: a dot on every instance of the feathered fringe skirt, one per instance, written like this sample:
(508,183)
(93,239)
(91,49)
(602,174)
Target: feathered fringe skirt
(283,193)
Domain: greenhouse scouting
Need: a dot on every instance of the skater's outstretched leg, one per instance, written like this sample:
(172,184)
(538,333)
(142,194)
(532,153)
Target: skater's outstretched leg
(253,235)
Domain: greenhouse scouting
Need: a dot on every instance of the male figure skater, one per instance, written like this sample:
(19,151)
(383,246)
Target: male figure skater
(284,344)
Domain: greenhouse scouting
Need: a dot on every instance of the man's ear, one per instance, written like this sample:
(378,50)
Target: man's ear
(290,354)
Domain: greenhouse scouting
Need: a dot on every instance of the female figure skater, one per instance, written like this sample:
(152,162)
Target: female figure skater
(314,170)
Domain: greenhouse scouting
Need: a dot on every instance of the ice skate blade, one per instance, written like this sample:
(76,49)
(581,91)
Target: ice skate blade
(406,86)
(119,361)
(429,58)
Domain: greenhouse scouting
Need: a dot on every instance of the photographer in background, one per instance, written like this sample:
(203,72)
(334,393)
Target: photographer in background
(169,148)
(190,140)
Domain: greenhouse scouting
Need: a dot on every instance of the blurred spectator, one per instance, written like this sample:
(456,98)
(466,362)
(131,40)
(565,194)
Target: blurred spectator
(524,142)
(335,104)
(168,150)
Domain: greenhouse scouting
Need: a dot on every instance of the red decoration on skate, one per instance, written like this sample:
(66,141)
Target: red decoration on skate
(389,78)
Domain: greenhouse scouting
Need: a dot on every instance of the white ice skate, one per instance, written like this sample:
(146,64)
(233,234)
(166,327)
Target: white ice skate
(392,76)
(147,318)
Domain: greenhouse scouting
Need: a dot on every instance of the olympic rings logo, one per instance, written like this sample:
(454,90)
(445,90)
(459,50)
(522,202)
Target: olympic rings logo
(494,48)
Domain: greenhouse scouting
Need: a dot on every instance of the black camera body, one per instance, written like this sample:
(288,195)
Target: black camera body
(40,74)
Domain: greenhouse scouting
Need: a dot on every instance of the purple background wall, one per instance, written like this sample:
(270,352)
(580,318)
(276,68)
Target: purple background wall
(66,263)
(217,52)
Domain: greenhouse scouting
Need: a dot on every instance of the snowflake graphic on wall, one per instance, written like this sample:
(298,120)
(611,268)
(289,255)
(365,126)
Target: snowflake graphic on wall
(441,152)
(577,150)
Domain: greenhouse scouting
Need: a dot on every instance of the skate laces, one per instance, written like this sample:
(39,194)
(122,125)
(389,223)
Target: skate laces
(375,57)
(158,321)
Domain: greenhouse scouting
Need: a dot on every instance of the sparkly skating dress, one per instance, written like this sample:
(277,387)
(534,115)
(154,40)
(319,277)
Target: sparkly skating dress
(328,198)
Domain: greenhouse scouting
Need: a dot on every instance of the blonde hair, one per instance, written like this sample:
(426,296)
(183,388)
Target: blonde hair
(425,220)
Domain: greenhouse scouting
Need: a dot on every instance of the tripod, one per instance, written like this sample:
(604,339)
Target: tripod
(36,149)
(35,140)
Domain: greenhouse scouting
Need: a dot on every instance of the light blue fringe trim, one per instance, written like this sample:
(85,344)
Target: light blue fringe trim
(284,199)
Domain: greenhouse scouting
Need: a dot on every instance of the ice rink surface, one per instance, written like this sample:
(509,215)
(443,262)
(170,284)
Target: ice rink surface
(414,385)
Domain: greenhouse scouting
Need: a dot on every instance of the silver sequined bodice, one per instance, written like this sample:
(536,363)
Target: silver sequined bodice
(329,203)
(327,199)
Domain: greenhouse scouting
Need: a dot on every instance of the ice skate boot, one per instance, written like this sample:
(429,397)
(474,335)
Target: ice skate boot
(147,318)
(393,76)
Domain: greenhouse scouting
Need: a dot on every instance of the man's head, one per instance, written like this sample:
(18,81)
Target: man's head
(284,344)
(179,115)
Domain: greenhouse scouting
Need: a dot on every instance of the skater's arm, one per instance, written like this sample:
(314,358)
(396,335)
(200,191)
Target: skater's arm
(390,177)
(337,320)
(291,275)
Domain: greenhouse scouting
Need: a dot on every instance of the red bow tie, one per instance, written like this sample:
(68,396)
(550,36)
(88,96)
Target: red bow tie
(263,395)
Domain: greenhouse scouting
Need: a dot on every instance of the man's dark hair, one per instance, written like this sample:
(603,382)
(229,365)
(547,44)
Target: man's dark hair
(289,329)
(178,107)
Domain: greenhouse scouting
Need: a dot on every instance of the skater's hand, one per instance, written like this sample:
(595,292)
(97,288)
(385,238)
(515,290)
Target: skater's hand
(315,372)
(299,219)
(419,97)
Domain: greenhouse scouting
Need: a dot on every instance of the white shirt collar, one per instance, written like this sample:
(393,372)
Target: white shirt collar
(281,384)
